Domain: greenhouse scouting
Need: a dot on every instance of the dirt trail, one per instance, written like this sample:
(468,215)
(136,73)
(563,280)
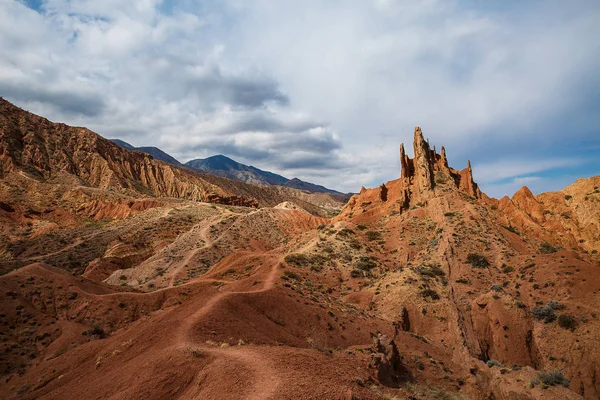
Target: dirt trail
(203,235)
(265,376)
(208,242)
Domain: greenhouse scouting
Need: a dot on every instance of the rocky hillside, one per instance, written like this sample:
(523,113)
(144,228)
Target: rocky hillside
(34,147)
(510,282)
(421,288)
(570,218)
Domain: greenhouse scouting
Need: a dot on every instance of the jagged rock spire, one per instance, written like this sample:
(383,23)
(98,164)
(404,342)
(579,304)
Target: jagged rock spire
(422,162)
(419,175)
(404,163)
(444,159)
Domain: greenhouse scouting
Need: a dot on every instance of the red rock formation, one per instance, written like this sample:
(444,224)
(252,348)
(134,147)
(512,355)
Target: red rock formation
(422,178)
(429,170)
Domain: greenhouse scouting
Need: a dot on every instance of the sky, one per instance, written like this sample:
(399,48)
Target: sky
(322,90)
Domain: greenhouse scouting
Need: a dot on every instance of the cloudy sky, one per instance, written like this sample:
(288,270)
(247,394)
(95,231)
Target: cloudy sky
(322,90)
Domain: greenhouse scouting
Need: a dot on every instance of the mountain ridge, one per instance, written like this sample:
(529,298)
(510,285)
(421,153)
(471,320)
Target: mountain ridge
(224,166)
(152,150)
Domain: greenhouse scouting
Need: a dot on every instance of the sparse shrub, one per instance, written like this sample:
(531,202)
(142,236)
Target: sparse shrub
(424,271)
(553,378)
(568,197)
(345,232)
(297,259)
(316,268)
(546,313)
(437,270)
(477,260)
(373,235)
(430,270)
(365,263)
(355,273)
(462,280)
(566,321)
(547,248)
(432,294)
(507,268)
(122,277)
(497,288)
(97,332)
(355,244)
(493,363)
(361,227)
(291,275)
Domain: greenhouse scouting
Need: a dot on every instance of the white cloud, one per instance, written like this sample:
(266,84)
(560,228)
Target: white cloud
(524,180)
(323,90)
(496,171)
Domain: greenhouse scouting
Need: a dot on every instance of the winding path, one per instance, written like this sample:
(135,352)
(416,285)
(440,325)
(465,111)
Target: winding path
(265,379)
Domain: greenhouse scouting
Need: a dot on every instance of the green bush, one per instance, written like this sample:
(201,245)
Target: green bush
(546,313)
(432,294)
(507,268)
(291,275)
(566,321)
(372,235)
(297,259)
(477,260)
(553,378)
(365,263)
(547,248)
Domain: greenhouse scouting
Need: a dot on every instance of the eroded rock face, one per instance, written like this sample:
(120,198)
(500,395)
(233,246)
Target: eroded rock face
(386,362)
(44,149)
(422,178)
(429,170)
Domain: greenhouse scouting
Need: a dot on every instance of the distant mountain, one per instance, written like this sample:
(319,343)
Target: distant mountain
(153,151)
(123,144)
(224,166)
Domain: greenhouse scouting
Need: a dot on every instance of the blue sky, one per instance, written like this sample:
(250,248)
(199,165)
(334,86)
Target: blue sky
(324,90)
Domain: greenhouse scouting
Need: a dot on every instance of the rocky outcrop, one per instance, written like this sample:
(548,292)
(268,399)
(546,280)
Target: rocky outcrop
(386,362)
(422,178)
(423,163)
(568,218)
(429,170)
(101,209)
